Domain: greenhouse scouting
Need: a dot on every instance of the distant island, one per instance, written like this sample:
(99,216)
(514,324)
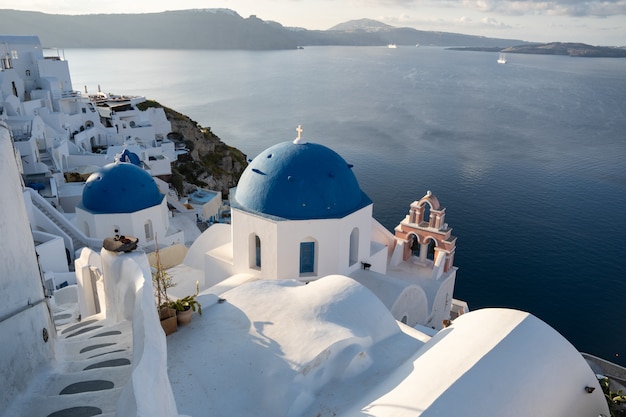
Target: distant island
(225,29)
(557,48)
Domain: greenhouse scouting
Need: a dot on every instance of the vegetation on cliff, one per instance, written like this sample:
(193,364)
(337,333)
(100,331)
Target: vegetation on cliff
(209,163)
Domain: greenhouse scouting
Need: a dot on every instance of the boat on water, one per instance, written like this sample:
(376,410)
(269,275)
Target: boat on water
(311,306)
(502,58)
(392,46)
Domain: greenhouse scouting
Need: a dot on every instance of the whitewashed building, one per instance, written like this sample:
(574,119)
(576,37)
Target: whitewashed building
(123,199)
(298,213)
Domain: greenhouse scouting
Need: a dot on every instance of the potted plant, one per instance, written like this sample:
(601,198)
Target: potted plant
(186,306)
(161,281)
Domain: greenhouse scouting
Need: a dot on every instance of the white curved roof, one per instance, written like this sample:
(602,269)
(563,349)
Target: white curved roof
(491,362)
(331,348)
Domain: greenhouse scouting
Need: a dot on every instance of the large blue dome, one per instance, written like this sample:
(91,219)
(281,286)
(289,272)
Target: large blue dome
(299,181)
(120,188)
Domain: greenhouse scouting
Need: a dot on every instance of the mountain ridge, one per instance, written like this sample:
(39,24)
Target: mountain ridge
(225,29)
(362,24)
(216,29)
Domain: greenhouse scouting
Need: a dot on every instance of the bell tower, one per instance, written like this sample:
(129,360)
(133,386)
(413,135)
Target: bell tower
(425,226)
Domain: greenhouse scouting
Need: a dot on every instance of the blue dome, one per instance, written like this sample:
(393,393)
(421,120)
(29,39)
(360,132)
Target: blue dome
(299,181)
(131,157)
(120,188)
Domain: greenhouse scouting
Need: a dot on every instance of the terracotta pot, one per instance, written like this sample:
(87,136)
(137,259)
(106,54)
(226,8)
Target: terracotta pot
(169,322)
(184,317)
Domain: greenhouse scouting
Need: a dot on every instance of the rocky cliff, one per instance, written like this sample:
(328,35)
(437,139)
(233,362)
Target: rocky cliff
(210,163)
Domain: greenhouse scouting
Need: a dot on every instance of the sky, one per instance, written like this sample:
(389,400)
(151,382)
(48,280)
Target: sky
(596,22)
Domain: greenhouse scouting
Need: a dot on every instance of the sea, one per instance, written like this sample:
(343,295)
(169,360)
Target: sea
(528,158)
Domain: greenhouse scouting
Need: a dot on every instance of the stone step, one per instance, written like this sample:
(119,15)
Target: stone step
(84,404)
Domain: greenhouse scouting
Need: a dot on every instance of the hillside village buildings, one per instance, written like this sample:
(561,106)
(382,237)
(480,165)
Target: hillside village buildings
(310,306)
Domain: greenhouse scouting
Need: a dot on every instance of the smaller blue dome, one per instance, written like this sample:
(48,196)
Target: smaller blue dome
(131,157)
(120,188)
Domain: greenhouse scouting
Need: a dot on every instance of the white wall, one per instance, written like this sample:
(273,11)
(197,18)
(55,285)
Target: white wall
(280,244)
(58,71)
(84,265)
(27,150)
(129,296)
(22,350)
(212,207)
(102,226)
(7,78)
(243,226)
(413,305)
(51,251)
(161,165)
(443,300)
(74,161)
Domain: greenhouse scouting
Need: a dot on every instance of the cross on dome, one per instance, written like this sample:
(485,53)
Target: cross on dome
(299,139)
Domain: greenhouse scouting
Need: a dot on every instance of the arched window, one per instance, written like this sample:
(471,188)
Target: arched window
(307,258)
(254,251)
(257,251)
(354,246)
(147,226)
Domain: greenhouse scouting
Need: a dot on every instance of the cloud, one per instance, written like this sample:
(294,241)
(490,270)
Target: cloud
(597,8)
(461,22)
(493,23)
(485,22)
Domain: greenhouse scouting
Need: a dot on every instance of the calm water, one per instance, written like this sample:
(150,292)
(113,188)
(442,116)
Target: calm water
(527,157)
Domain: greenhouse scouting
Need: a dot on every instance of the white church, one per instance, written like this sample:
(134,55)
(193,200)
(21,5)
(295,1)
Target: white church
(298,213)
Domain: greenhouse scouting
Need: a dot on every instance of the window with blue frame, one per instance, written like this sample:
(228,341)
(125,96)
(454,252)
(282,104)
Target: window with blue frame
(307,257)
(257,248)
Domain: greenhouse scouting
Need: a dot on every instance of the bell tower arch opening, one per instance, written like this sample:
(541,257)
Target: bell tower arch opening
(427,249)
(423,249)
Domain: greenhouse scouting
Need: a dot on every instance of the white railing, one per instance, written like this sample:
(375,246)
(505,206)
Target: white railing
(129,296)
(67,227)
